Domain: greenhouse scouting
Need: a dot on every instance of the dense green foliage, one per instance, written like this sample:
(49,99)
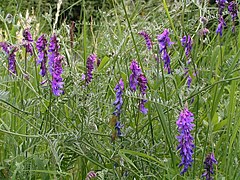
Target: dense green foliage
(48,137)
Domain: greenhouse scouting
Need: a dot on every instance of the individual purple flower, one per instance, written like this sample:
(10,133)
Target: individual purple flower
(27,41)
(233,10)
(57,82)
(90,66)
(41,45)
(11,53)
(221,6)
(186,42)
(142,106)
(208,166)
(119,100)
(147,38)
(164,41)
(53,51)
(91,175)
(83,77)
(203,32)
(185,139)
(221,25)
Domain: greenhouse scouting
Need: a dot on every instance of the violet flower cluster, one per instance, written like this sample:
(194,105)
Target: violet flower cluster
(119,100)
(221,6)
(186,42)
(221,22)
(164,41)
(147,38)
(90,66)
(11,53)
(233,11)
(221,25)
(208,166)
(55,66)
(27,41)
(185,139)
(137,78)
(41,45)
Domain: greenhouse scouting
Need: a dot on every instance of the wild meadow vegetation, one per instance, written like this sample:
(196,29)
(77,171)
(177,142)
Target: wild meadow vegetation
(129,90)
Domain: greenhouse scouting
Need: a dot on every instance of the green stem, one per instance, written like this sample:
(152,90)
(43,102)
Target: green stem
(134,42)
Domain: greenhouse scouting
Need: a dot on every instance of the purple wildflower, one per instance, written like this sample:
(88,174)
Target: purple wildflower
(133,79)
(233,10)
(187,44)
(90,66)
(53,51)
(137,78)
(57,82)
(185,138)
(203,32)
(189,81)
(11,53)
(142,107)
(221,25)
(27,41)
(91,175)
(118,127)
(164,41)
(83,77)
(221,6)
(208,166)
(147,38)
(55,66)
(142,82)
(41,45)
(5,47)
(119,100)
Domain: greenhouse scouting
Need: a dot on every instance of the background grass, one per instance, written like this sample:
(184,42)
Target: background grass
(47,137)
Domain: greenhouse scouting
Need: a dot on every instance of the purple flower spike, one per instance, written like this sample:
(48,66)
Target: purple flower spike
(57,82)
(185,139)
(41,45)
(187,44)
(208,166)
(189,81)
(137,78)
(221,6)
(119,100)
(221,25)
(164,41)
(11,53)
(233,11)
(27,41)
(118,127)
(147,38)
(136,71)
(90,66)
(55,66)
(53,51)
(142,82)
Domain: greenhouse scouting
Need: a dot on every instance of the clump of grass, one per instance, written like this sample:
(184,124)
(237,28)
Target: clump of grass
(67,126)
